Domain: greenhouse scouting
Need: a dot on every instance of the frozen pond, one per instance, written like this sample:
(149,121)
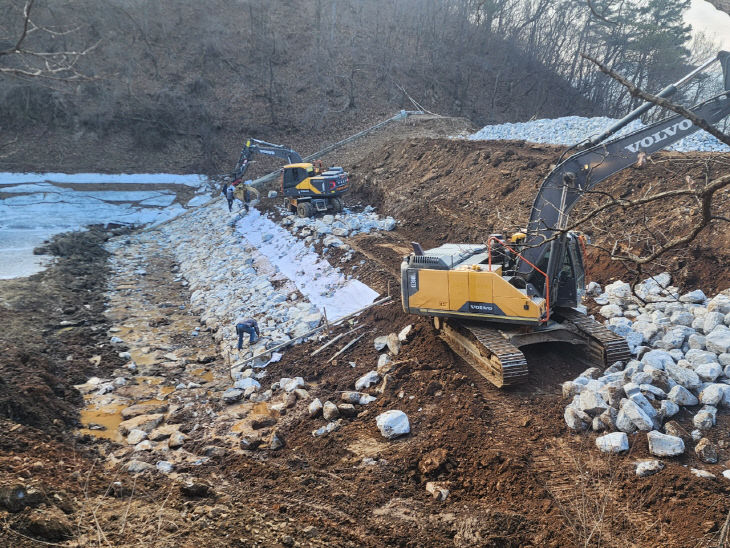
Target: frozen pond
(34,206)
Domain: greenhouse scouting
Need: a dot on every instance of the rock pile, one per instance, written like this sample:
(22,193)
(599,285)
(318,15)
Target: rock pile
(228,280)
(569,130)
(330,228)
(682,349)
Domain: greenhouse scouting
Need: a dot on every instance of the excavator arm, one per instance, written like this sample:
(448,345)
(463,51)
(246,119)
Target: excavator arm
(545,246)
(255,146)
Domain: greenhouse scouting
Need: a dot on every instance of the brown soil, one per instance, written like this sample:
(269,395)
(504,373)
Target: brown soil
(516,475)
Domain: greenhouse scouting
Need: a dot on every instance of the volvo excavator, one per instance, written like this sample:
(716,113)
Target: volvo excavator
(306,187)
(488,300)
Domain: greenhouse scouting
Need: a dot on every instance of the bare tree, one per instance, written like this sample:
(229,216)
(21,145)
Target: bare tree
(698,206)
(30,56)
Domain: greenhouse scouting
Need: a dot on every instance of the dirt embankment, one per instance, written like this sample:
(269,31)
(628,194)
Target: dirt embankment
(54,333)
(461,191)
(516,476)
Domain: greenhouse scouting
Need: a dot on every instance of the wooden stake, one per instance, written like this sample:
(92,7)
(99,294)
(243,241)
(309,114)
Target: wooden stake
(337,338)
(348,345)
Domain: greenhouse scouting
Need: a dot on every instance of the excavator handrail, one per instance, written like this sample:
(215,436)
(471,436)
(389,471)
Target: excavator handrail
(519,255)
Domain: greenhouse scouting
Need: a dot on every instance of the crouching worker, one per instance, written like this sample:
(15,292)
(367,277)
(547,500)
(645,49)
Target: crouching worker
(250,326)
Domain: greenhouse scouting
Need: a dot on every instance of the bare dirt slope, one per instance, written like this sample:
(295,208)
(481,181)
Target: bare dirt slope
(516,476)
(461,191)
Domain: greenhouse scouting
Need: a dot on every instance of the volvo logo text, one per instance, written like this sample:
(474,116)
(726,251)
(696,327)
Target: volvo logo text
(659,136)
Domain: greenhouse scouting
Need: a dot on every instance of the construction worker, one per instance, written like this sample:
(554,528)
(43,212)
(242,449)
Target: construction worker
(229,197)
(247,325)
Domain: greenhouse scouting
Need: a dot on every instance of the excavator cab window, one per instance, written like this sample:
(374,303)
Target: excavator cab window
(293,176)
(571,274)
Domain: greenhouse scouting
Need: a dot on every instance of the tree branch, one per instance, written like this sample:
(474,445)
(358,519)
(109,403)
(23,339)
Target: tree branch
(659,101)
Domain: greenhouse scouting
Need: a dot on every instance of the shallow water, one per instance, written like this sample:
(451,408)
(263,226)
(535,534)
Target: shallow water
(34,207)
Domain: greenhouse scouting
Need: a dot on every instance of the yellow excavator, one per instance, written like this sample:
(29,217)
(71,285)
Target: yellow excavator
(307,187)
(488,300)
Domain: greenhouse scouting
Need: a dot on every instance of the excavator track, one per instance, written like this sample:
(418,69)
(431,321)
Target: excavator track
(486,350)
(604,346)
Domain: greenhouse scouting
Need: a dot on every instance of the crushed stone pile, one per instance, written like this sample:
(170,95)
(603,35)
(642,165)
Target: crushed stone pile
(574,129)
(681,344)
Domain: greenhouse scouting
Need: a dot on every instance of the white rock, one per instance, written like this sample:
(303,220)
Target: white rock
(381,342)
(712,320)
(137,467)
(593,289)
(681,396)
(232,395)
(145,445)
(247,382)
(658,358)
(328,428)
(577,419)
(719,303)
(135,436)
(702,473)
(366,399)
(636,414)
(696,342)
(437,490)
(696,296)
(393,423)
(664,445)
(648,467)
(668,409)
(367,380)
(726,474)
(718,341)
(315,407)
(683,376)
(592,403)
(613,443)
(403,334)
(698,357)
(330,411)
(289,385)
(705,418)
(708,372)
(164,467)
(715,394)
(610,311)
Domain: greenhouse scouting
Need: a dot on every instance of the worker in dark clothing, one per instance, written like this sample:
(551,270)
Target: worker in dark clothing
(247,325)
(229,197)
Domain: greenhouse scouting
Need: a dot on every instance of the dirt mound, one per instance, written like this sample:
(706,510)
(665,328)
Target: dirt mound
(461,191)
(54,333)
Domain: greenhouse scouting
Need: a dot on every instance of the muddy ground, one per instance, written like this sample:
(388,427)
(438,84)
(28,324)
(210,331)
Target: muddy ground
(516,475)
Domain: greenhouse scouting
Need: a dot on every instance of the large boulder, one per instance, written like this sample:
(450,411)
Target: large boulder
(613,443)
(635,414)
(715,394)
(592,403)
(664,445)
(718,341)
(705,418)
(683,376)
(659,359)
(393,423)
(681,396)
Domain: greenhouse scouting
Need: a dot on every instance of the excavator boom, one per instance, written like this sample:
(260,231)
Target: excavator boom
(489,300)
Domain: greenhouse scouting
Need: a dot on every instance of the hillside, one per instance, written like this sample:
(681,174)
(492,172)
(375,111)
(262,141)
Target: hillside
(173,89)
